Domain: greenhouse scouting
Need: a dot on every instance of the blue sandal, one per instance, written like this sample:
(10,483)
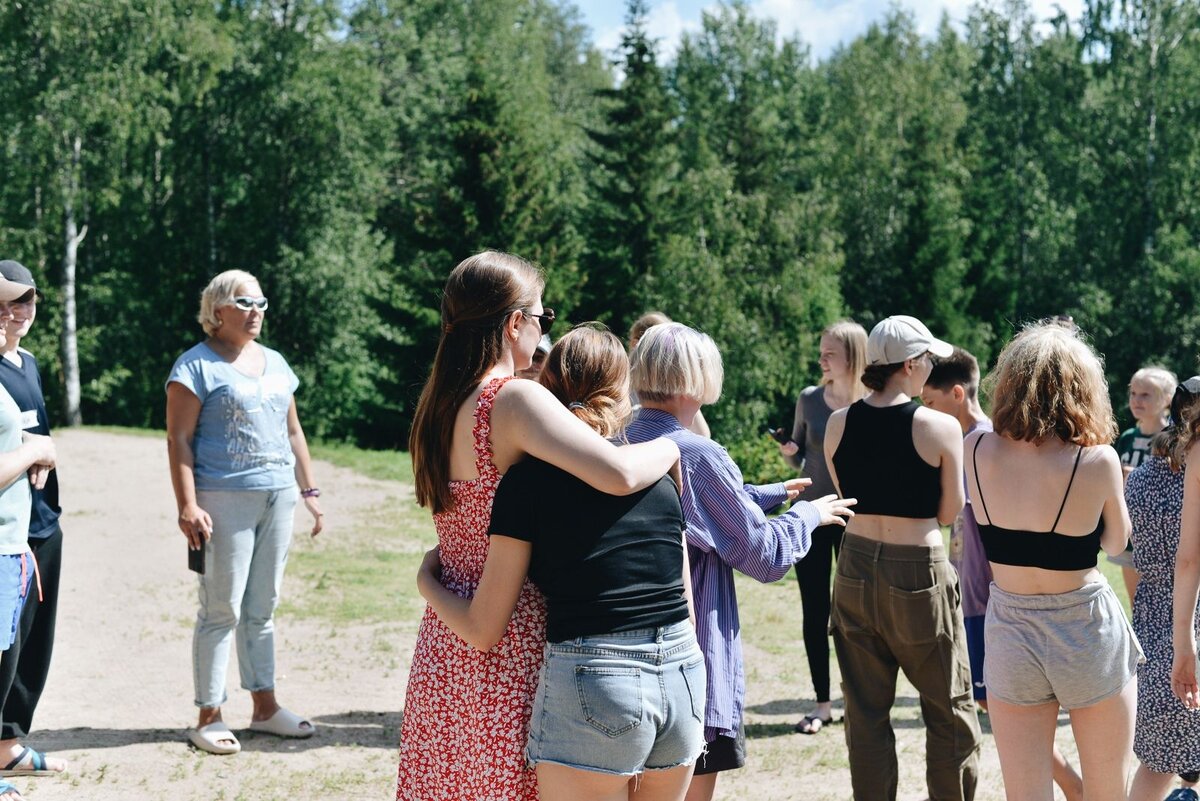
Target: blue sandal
(5,787)
(36,765)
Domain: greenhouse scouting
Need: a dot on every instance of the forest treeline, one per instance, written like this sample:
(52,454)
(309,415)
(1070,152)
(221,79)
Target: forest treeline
(350,153)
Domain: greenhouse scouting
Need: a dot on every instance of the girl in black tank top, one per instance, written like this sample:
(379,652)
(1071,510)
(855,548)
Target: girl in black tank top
(877,462)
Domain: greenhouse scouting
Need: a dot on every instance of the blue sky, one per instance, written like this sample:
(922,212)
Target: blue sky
(823,24)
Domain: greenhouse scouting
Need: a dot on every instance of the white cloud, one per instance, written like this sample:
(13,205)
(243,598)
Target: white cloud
(665,23)
(822,24)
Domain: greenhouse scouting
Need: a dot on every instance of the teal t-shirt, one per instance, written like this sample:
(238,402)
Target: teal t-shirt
(15,499)
(241,440)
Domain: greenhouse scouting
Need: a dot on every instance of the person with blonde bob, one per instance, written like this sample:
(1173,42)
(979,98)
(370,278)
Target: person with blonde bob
(465,709)
(640,326)
(843,357)
(239,463)
(1048,497)
(896,604)
(621,692)
(675,370)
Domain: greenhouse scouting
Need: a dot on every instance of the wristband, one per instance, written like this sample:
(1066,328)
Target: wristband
(310,492)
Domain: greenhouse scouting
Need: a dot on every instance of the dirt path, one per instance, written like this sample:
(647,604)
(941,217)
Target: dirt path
(119,696)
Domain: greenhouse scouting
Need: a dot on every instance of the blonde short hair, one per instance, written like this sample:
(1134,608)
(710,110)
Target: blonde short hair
(1161,379)
(672,360)
(220,292)
(1049,383)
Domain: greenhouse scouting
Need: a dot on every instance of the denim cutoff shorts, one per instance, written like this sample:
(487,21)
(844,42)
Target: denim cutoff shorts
(621,703)
(1075,647)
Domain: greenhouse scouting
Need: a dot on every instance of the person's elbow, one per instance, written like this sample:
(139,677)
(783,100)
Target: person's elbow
(1115,545)
(624,479)
(484,636)
(949,511)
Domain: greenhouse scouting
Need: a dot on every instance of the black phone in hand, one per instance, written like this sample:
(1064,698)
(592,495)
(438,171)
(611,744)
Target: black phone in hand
(196,560)
(779,435)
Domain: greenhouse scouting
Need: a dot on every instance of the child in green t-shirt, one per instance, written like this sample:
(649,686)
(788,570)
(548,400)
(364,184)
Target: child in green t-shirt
(1150,393)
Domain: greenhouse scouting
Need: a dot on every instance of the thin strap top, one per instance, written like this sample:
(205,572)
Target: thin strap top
(483,427)
(1045,549)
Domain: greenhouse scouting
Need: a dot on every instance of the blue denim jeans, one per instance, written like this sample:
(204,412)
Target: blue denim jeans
(239,589)
(621,703)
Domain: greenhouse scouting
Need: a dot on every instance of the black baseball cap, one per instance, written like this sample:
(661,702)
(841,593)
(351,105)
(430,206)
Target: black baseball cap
(17,280)
(1183,394)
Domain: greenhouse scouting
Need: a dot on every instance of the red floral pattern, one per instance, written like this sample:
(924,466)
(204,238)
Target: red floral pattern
(466,713)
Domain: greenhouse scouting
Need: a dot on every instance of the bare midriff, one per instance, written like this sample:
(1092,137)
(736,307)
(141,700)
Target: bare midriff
(1039,581)
(897,530)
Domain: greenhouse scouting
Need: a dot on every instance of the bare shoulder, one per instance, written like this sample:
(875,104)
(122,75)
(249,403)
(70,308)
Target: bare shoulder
(971,439)
(943,427)
(836,424)
(1100,458)
(520,395)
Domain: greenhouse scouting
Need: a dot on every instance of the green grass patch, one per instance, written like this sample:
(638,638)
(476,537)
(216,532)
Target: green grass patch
(358,585)
(381,465)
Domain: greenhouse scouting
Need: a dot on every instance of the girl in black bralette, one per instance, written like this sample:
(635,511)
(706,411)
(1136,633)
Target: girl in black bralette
(1049,496)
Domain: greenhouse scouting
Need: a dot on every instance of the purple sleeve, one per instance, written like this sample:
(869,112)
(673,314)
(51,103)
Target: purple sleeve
(741,534)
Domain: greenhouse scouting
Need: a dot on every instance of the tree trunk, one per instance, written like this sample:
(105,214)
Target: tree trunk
(72,236)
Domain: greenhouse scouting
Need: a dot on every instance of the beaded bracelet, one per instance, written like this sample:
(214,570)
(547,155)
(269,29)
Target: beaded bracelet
(310,492)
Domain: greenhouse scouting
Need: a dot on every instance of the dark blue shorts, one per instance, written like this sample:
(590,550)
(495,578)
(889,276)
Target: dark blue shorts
(975,650)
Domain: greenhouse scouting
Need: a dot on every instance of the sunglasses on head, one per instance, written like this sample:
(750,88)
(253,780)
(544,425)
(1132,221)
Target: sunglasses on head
(246,303)
(545,319)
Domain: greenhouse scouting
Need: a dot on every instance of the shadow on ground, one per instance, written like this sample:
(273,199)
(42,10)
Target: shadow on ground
(364,729)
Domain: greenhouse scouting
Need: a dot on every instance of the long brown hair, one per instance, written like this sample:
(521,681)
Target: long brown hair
(480,294)
(1184,433)
(588,371)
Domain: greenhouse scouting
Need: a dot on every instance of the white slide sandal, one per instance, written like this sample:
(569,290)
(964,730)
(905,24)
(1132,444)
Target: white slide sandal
(285,723)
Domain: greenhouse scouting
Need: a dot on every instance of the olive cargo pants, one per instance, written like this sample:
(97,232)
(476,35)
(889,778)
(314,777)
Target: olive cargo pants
(897,607)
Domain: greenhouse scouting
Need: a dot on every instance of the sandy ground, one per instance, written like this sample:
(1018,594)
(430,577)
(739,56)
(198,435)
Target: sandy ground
(119,698)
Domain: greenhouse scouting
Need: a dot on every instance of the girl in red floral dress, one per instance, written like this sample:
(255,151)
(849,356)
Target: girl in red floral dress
(466,713)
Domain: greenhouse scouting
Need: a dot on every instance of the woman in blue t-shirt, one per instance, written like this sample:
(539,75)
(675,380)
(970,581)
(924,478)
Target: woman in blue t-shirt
(237,453)
(620,697)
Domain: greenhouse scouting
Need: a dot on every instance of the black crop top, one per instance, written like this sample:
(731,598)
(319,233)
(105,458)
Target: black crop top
(1045,549)
(878,464)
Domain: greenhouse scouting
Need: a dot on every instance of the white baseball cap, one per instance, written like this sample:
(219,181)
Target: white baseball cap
(901,337)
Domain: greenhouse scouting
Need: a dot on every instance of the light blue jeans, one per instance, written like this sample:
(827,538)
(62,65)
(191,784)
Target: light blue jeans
(239,590)
(621,703)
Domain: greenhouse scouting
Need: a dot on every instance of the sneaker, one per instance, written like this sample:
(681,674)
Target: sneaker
(1183,794)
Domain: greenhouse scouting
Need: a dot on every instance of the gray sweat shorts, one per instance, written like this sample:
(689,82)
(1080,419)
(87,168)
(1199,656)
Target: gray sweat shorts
(1076,648)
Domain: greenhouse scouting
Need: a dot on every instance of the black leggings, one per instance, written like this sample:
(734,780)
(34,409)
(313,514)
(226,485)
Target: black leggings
(813,575)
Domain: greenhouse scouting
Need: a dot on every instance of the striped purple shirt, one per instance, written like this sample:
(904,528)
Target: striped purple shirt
(726,530)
